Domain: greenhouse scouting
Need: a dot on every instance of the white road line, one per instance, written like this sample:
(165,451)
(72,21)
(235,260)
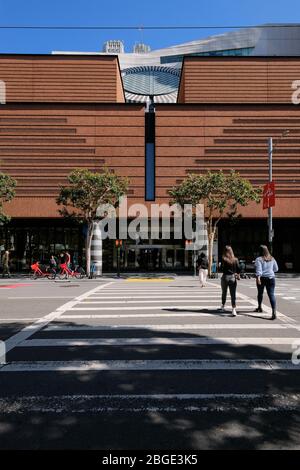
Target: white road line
(37,298)
(104,302)
(141,297)
(153,365)
(18,319)
(163,285)
(187,290)
(63,342)
(193,326)
(152,288)
(154,307)
(289,298)
(29,330)
(150,315)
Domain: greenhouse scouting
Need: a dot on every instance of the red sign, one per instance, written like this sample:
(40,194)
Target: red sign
(269,195)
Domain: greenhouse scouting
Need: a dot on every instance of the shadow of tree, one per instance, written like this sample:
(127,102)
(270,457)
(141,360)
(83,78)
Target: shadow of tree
(232,422)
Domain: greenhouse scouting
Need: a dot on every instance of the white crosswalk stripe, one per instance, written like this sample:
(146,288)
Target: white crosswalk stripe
(173,326)
(185,326)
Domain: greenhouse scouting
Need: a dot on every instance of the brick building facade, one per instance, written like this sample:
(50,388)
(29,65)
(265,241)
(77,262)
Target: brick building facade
(63,112)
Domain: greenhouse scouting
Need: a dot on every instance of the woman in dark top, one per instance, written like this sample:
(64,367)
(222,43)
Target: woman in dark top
(231,272)
(203,269)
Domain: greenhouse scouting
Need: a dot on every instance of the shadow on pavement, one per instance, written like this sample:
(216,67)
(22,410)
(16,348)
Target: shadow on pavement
(211,424)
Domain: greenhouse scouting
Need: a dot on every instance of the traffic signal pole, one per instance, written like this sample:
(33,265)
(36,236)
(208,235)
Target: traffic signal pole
(270,209)
(118,246)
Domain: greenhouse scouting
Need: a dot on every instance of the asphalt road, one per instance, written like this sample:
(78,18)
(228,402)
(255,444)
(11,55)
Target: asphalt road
(147,364)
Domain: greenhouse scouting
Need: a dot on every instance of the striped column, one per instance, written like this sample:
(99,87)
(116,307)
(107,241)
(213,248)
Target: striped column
(96,249)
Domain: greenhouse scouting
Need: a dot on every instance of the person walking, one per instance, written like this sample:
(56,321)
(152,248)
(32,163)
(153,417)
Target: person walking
(68,259)
(53,265)
(203,269)
(5,264)
(265,269)
(231,272)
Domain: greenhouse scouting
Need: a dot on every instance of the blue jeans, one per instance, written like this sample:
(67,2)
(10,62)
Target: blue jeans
(269,284)
(229,281)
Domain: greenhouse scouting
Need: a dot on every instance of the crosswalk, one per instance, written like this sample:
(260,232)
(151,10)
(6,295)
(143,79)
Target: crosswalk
(152,346)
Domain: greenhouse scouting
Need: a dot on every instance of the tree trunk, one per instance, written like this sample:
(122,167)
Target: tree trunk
(211,231)
(88,248)
(210,251)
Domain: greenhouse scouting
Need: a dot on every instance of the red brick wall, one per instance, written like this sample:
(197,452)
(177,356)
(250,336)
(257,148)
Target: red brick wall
(61,78)
(238,79)
(41,144)
(195,138)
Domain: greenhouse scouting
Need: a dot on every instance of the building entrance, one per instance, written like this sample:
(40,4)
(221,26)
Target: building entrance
(153,258)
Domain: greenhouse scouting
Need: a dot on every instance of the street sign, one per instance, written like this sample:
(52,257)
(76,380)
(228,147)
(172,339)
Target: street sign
(269,195)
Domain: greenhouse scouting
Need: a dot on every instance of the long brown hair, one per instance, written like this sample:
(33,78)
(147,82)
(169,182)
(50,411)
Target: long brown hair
(264,253)
(228,255)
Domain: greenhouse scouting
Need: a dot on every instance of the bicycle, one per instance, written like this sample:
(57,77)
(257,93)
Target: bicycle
(66,272)
(38,273)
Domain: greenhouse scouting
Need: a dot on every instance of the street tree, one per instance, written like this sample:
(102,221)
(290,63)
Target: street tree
(221,195)
(85,192)
(7,193)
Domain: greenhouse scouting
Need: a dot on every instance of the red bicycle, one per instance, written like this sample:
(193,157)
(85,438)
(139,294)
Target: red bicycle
(66,272)
(38,273)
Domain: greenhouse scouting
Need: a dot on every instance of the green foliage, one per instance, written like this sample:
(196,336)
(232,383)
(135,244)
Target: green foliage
(87,190)
(217,191)
(7,193)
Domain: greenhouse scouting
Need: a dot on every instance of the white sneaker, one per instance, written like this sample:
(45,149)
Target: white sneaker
(234,314)
(222,308)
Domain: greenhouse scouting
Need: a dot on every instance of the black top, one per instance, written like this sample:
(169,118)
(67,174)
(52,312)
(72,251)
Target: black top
(229,269)
(202,262)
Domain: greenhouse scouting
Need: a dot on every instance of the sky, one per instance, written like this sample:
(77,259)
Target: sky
(136,13)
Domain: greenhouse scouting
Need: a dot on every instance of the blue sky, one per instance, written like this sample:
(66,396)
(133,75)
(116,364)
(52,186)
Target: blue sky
(129,13)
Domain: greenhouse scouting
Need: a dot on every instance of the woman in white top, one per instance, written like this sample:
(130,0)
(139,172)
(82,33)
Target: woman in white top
(265,269)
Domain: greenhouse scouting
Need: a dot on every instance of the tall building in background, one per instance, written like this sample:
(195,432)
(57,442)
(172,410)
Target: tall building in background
(156,73)
(113,47)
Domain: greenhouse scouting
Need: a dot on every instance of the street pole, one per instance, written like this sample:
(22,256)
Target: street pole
(118,246)
(270,212)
